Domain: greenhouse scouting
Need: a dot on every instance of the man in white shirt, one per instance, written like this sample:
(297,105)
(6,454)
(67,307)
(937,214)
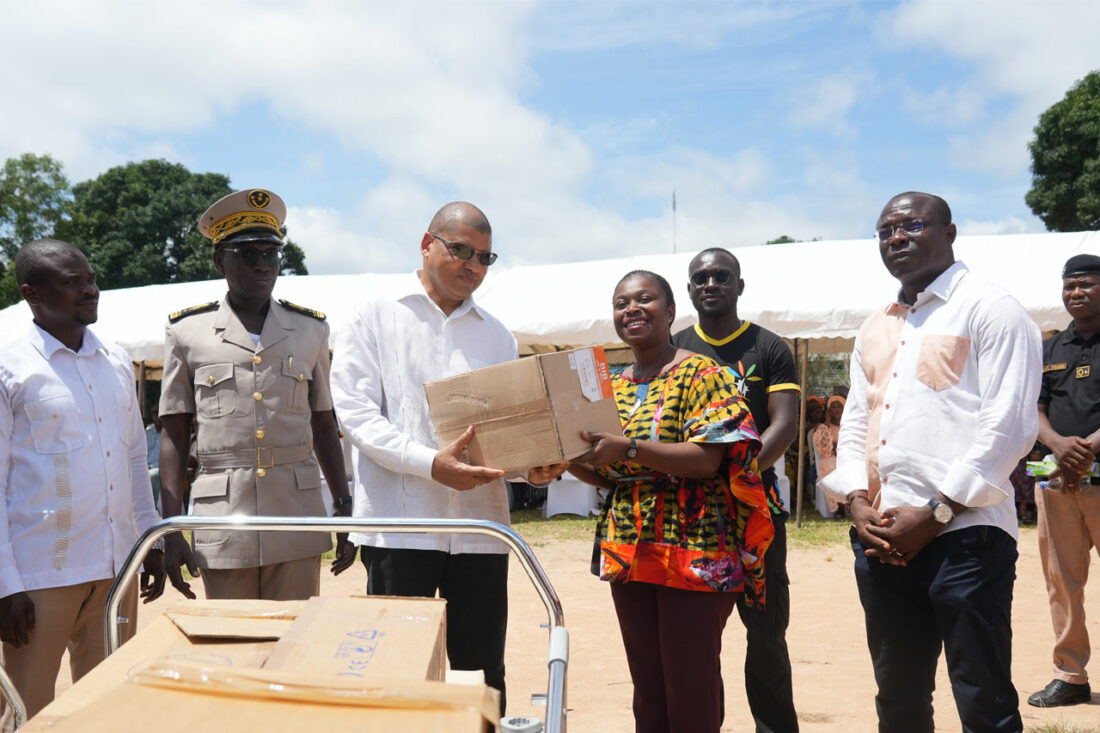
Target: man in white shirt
(941,408)
(73,477)
(392,345)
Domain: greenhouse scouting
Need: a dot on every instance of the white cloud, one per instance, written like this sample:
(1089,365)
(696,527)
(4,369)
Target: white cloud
(1008,225)
(1032,52)
(826,103)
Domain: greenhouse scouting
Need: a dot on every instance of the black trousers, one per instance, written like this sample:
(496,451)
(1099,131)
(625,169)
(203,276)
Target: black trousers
(767,663)
(476,589)
(955,594)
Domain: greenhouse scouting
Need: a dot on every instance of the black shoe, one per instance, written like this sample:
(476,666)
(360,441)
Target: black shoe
(1059,693)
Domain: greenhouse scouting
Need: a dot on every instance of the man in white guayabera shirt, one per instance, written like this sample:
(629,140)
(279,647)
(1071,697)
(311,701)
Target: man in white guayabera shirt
(74,480)
(394,343)
(940,411)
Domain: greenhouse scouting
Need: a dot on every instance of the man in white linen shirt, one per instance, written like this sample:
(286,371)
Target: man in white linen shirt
(391,346)
(73,477)
(941,408)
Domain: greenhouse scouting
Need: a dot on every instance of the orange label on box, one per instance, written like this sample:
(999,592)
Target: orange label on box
(591,367)
(603,372)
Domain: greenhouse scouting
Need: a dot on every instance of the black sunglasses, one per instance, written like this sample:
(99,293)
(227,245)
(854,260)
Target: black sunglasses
(252,256)
(464,252)
(720,277)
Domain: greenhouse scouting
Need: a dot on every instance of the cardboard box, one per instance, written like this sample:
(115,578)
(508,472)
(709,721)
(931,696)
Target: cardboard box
(172,697)
(375,638)
(527,412)
(390,692)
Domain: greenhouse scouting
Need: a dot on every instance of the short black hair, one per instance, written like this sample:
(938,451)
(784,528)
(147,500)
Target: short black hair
(718,251)
(661,283)
(939,206)
(32,260)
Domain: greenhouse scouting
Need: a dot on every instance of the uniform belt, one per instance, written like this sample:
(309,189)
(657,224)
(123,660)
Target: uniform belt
(264,456)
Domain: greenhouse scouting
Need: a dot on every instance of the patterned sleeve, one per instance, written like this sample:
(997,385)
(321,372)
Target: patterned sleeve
(714,411)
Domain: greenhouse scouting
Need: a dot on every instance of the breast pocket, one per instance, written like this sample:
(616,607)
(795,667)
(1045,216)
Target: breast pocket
(296,378)
(941,360)
(215,390)
(53,426)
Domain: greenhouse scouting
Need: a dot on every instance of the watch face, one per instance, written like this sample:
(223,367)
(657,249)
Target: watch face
(943,513)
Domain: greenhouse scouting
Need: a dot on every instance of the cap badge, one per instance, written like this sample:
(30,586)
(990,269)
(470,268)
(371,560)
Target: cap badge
(259,199)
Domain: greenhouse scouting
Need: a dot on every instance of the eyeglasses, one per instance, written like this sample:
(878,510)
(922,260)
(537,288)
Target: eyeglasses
(252,256)
(913,226)
(464,252)
(720,277)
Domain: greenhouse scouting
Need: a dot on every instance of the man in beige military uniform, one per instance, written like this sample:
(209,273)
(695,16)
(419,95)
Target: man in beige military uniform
(253,373)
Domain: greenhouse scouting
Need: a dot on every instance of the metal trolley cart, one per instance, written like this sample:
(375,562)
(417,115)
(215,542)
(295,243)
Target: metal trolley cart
(558,655)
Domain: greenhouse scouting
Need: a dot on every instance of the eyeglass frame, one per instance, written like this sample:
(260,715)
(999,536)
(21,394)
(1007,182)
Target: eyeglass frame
(721,276)
(484,258)
(921,223)
(263,255)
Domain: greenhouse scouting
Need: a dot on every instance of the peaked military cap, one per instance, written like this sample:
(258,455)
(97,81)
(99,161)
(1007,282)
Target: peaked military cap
(250,215)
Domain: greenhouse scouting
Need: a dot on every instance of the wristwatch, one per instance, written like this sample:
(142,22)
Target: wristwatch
(632,450)
(942,513)
(340,502)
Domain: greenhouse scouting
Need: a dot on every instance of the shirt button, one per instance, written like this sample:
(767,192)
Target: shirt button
(887,406)
(210,379)
(98,418)
(89,386)
(108,454)
(111,487)
(884,442)
(260,434)
(895,374)
(261,472)
(885,479)
(257,359)
(903,342)
(257,396)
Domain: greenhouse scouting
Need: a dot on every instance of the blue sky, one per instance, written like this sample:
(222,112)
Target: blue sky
(569,122)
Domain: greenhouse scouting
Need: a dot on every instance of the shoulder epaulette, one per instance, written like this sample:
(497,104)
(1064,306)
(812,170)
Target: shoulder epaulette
(302,309)
(192,311)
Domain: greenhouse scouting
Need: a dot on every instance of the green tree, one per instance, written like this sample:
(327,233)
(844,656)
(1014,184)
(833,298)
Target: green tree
(34,198)
(781,239)
(1065,160)
(138,224)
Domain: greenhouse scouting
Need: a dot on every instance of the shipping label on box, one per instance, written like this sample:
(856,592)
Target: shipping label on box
(529,412)
(377,637)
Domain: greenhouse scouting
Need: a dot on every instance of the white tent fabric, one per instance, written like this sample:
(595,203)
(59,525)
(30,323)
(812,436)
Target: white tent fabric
(820,291)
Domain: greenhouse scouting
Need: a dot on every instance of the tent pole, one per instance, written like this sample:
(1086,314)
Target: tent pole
(801,428)
(141,389)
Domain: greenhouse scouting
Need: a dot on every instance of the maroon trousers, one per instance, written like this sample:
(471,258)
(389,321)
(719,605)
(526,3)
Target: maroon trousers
(673,641)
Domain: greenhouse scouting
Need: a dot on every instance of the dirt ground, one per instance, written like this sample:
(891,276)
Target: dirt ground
(833,684)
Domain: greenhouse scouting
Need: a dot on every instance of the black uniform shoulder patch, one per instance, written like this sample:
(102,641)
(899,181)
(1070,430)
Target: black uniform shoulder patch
(192,311)
(302,309)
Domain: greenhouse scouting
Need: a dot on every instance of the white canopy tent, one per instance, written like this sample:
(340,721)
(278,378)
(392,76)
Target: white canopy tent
(819,291)
(814,293)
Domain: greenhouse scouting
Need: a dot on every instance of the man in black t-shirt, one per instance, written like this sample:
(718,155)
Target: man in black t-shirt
(1069,518)
(766,379)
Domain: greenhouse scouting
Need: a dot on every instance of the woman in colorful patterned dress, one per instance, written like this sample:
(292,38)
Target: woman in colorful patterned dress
(685,525)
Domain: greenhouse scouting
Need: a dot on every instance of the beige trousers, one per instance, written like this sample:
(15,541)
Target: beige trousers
(1069,527)
(69,617)
(296,580)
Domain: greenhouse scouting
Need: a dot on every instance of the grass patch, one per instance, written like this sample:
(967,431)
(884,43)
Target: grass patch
(1060,727)
(538,530)
(818,532)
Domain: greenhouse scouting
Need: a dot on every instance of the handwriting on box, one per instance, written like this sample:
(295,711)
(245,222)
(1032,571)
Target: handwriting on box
(358,650)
